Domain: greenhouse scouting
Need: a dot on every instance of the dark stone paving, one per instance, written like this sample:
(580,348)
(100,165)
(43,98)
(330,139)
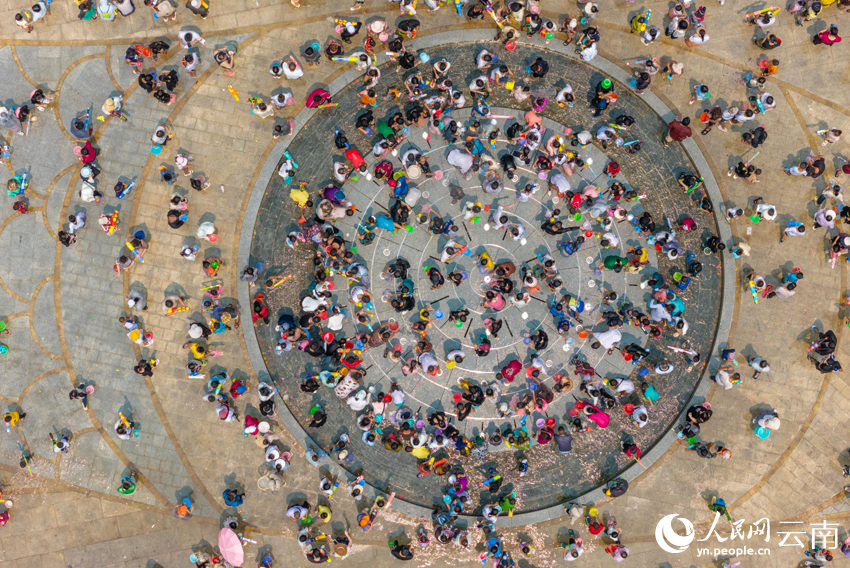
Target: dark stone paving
(596,456)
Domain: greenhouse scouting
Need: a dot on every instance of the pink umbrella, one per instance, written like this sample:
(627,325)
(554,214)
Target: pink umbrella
(230,547)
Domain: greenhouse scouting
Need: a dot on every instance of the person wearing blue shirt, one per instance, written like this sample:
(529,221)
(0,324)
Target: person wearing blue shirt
(232,498)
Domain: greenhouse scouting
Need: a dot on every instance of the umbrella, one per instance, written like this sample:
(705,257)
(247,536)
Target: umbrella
(230,547)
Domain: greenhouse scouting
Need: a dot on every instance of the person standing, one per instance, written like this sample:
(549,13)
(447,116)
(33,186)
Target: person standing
(794,229)
(827,37)
(678,130)
(759,366)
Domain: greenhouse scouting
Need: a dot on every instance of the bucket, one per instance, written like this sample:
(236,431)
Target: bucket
(90,389)
(414,171)
(762,432)
(629,408)
(582,334)
(263,483)
(263,427)
(457,397)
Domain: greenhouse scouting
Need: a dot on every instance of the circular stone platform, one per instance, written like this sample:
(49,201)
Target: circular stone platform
(596,456)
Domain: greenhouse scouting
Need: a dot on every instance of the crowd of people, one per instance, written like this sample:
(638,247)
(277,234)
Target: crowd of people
(429,94)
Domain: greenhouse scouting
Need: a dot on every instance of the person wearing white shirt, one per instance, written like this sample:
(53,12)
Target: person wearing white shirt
(765,20)
(292,69)
(680,327)
(622,386)
(565,96)
(76,222)
(485,59)
(744,116)
(607,133)
(768,102)
(340,172)
(610,240)
(457,99)
(766,212)
(189,38)
(397,395)
(698,38)
(518,231)
(559,183)
(723,378)
(462,160)
(280,100)
(438,442)
(449,250)
(640,416)
(336,320)
(480,85)
(456,355)
(499,219)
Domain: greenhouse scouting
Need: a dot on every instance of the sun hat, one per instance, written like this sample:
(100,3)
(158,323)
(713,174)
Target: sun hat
(606,83)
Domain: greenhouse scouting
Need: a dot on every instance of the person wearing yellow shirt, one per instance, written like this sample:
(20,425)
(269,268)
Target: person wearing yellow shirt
(300,195)
(12,418)
(324,513)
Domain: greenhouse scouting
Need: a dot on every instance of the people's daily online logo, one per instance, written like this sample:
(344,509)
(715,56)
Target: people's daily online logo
(674,534)
(667,537)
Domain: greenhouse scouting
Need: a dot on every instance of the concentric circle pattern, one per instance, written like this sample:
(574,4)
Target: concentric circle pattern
(596,455)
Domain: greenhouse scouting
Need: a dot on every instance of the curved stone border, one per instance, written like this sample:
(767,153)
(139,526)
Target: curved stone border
(610,70)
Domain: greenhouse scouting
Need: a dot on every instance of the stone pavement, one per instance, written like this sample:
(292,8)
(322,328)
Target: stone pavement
(64,317)
(598,457)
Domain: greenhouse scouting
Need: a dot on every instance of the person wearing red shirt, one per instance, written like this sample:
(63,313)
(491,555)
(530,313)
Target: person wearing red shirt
(509,372)
(594,525)
(828,37)
(631,450)
(678,130)
(357,161)
(87,153)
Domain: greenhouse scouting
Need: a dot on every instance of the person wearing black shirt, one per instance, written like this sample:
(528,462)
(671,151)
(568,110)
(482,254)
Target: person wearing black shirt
(365,122)
(158,48)
(602,93)
(647,225)
(147,82)
(563,440)
(539,68)
(170,79)
(818,165)
(642,82)
(755,137)
(769,42)
(406,61)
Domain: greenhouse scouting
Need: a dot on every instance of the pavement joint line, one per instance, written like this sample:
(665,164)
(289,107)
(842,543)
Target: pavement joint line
(107,61)
(143,177)
(58,90)
(60,325)
(32,320)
